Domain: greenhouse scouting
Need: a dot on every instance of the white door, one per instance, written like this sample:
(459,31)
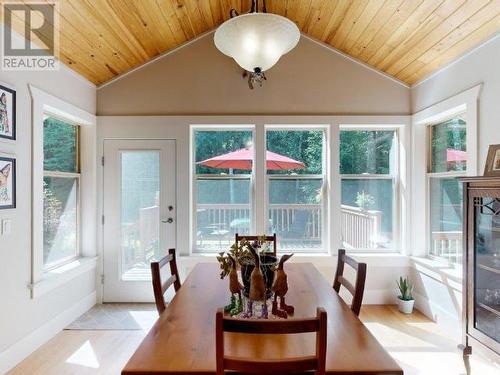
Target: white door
(139,215)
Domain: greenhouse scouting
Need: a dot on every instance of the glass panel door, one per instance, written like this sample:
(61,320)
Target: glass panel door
(487,267)
(140,213)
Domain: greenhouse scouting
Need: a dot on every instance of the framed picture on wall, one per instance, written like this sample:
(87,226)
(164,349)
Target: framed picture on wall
(7,113)
(492,167)
(7,182)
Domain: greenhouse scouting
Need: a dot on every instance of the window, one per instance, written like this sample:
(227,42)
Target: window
(223,198)
(63,176)
(447,161)
(295,199)
(231,194)
(61,181)
(368,169)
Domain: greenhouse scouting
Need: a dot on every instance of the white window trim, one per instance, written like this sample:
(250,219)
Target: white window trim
(398,212)
(45,281)
(332,122)
(194,177)
(324,188)
(259,178)
(466,103)
(437,175)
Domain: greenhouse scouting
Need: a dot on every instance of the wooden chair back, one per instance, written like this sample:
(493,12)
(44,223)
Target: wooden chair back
(294,365)
(357,290)
(271,239)
(160,286)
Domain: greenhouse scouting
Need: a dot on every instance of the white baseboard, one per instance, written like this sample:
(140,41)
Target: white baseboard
(451,323)
(379,297)
(10,357)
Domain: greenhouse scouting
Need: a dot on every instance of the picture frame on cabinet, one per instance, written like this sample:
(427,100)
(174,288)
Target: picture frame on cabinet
(492,167)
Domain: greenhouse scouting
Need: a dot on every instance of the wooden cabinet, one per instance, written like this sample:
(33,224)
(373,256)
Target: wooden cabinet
(481,303)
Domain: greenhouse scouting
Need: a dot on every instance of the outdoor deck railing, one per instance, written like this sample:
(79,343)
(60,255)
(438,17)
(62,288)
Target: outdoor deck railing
(283,218)
(447,245)
(360,228)
(230,217)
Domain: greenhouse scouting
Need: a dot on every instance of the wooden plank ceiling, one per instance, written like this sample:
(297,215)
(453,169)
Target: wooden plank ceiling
(408,39)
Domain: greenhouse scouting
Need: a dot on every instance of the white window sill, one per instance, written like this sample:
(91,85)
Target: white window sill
(437,269)
(61,275)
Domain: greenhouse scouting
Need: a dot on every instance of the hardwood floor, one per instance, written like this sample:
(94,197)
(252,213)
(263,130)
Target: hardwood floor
(417,343)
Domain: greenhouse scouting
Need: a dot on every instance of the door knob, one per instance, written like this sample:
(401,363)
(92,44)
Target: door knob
(170,208)
(169,220)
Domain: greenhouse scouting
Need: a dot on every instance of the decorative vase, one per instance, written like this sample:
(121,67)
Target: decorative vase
(267,265)
(406,307)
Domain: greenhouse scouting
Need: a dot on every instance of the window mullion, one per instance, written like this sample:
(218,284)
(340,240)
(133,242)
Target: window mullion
(260,186)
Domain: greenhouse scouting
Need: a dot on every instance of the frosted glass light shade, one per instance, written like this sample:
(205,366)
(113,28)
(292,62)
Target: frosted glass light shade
(256,40)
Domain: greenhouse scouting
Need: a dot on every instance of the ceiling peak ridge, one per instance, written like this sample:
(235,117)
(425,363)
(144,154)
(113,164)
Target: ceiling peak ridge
(354,60)
(157,58)
(212,31)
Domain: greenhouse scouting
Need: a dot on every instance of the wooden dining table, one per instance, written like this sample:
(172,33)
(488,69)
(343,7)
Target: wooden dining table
(182,341)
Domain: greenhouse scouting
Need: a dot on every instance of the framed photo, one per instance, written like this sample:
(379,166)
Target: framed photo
(7,182)
(7,113)
(492,167)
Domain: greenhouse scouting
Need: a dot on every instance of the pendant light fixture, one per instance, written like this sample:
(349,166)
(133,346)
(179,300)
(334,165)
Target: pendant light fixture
(256,40)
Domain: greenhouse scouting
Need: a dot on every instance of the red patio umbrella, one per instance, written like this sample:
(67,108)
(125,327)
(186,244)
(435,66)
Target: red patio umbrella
(455,155)
(242,159)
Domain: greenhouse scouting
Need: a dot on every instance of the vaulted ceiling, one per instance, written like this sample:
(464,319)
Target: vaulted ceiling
(407,39)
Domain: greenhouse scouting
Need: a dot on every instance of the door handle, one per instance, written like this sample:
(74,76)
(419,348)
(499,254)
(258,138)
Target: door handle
(169,220)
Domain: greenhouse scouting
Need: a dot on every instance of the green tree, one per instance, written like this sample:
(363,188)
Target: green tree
(365,152)
(59,146)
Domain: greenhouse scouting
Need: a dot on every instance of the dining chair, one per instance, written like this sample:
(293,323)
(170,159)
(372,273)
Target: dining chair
(359,288)
(271,239)
(160,286)
(293,365)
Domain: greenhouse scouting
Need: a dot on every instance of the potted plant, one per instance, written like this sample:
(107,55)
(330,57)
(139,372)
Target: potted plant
(364,200)
(246,262)
(405,298)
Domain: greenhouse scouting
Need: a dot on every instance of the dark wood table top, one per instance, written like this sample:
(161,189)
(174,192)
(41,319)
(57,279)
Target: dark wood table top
(182,341)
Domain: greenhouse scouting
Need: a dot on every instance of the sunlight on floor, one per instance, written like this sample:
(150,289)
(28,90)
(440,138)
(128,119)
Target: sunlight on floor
(420,346)
(84,356)
(421,349)
(145,319)
(423,362)
(391,337)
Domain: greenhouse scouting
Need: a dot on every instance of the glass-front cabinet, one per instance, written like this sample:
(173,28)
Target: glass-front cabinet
(482,269)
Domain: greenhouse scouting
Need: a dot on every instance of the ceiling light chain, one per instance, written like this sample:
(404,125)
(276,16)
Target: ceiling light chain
(254,8)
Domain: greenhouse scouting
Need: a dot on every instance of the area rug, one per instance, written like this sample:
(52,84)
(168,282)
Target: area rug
(117,316)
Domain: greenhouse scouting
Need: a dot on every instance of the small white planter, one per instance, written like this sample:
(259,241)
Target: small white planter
(406,307)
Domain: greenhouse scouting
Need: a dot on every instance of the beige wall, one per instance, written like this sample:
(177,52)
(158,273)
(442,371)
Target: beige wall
(382,269)
(439,287)
(198,79)
(481,66)
(20,315)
